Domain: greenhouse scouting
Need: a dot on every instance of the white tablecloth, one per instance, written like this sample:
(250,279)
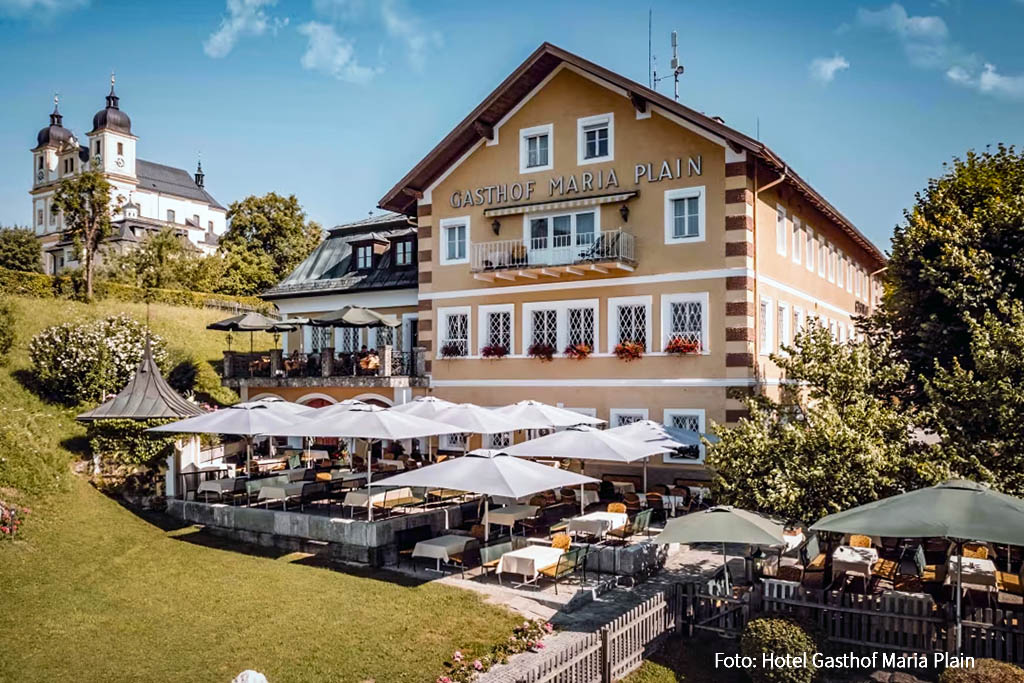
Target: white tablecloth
(391,463)
(597,523)
(589,497)
(671,503)
(622,487)
(359,498)
(528,561)
(510,514)
(281,491)
(442,547)
(313,454)
(699,492)
(792,541)
(978,574)
(853,561)
(217,486)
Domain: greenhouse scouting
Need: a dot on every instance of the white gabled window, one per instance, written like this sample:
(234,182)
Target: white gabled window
(454,240)
(495,325)
(617,417)
(764,329)
(691,420)
(780,229)
(685,317)
(595,138)
(536,148)
(629,320)
(684,215)
(454,331)
(783,325)
(364,257)
(809,242)
(798,240)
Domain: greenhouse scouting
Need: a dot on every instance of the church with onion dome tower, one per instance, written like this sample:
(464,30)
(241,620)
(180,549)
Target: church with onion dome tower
(147,196)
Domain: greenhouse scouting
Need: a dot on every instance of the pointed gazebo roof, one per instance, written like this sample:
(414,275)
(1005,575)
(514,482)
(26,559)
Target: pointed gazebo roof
(147,396)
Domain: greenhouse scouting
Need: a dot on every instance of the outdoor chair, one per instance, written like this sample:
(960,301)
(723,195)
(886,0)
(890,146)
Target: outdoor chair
(294,461)
(561,541)
(1011,583)
(490,556)
(477,531)
(406,540)
(566,566)
(976,551)
(537,501)
(619,508)
(535,524)
(860,541)
(656,505)
(468,558)
(569,496)
(659,488)
(632,502)
(928,573)
(812,560)
(606,490)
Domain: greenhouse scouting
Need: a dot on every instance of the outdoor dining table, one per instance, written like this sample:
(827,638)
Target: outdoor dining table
(792,541)
(671,503)
(528,561)
(360,497)
(978,574)
(217,486)
(441,548)
(391,462)
(597,523)
(281,492)
(265,464)
(623,487)
(510,514)
(699,492)
(853,561)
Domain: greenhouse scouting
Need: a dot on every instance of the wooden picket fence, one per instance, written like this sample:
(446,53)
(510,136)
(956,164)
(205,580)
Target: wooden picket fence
(617,649)
(994,633)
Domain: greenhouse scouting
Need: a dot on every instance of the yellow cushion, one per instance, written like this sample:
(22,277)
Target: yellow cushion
(817,564)
(860,541)
(978,552)
(1011,583)
(933,573)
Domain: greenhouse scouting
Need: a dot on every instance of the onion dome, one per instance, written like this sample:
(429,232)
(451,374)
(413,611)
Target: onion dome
(112,117)
(55,133)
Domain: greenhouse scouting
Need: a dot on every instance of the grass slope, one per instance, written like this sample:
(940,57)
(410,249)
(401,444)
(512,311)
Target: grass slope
(92,592)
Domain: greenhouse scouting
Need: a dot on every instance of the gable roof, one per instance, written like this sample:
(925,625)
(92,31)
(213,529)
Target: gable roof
(170,180)
(329,268)
(545,59)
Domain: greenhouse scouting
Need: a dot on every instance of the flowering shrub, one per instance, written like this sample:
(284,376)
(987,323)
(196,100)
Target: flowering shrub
(629,351)
(680,346)
(10,520)
(527,637)
(494,351)
(577,351)
(74,362)
(452,350)
(541,351)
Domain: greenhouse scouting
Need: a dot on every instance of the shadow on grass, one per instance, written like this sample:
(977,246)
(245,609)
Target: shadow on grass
(77,444)
(691,660)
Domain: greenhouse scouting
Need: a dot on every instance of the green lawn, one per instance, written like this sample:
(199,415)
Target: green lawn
(93,592)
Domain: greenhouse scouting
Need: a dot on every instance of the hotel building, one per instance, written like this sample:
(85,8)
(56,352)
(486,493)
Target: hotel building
(575,207)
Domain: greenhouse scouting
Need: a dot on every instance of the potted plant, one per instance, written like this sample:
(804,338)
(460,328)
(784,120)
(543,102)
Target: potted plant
(577,351)
(452,349)
(629,351)
(541,351)
(680,346)
(494,351)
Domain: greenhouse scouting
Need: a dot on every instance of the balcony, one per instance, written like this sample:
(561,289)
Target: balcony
(390,368)
(554,256)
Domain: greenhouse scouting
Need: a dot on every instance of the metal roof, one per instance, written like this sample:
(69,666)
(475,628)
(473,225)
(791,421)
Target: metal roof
(147,396)
(167,179)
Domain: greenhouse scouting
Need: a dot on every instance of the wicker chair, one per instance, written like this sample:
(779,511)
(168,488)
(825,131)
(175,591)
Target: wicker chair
(561,541)
(568,496)
(617,507)
(538,501)
(477,531)
(977,551)
(860,541)
(632,502)
(656,505)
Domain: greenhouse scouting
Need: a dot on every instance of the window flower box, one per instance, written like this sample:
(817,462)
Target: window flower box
(494,351)
(629,351)
(541,351)
(682,347)
(577,351)
(453,349)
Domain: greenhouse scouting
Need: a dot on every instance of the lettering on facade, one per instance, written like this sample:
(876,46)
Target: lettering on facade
(587,181)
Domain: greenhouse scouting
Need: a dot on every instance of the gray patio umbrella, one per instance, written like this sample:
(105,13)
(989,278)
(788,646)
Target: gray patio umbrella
(958,510)
(491,472)
(251,322)
(355,316)
(723,524)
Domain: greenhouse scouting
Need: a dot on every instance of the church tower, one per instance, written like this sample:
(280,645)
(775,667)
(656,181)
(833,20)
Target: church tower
(111,141)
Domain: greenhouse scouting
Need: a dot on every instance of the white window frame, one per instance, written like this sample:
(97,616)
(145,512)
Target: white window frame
(766,318)
(697,191)
(524,133)
(613,318)
(849,274)
(442,327)
(443,225)
(700,413)
(798,240)
(483,328)
(360,251)
(614,413)
(561,309)
(822,255)
(581,140)
(447,442)
(666,317)
(810,242)
(404,246)
(799,321)
(782,313)
(830,252)
(780,229)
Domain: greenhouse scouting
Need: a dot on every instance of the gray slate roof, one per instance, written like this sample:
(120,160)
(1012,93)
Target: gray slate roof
(329,268)
(147,396)
(176,181)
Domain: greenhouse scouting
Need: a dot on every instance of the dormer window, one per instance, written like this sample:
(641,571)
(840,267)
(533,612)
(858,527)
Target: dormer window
(364,257)
(403,253)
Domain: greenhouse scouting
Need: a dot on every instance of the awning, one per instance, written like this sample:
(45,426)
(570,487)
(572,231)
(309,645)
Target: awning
(561,204)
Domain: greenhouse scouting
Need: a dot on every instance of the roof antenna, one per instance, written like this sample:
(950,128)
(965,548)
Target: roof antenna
(650,58)
(677,68)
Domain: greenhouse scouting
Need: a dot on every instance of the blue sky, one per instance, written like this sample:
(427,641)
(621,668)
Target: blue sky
(334,100)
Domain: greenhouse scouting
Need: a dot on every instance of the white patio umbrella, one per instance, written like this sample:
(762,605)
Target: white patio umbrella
(276,404)
(243,419)
(424,406)
(491,472)
(333,408)
(370,423)
(473,419)
(655,432)
(550,416)
(588,443)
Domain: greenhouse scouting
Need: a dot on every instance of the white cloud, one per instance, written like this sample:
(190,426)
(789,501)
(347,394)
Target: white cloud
(400,23)
(989,81)
(38,9)
(332,54)
(245,18)
(824,69)
(895,19)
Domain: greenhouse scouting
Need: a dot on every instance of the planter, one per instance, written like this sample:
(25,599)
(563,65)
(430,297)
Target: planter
(540,351)
(629,351)
(452,350)
(493,351)
(577,351)
(682,347)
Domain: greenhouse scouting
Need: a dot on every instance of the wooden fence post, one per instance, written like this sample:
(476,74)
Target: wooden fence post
(680,608)
(606,656)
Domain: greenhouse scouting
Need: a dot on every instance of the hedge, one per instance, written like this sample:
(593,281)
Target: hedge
(984,671)
(779,636)
(66,286)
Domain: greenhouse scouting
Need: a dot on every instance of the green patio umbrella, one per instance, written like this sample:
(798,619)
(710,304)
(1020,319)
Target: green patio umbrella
(723,524)
(251,322)
(958,510)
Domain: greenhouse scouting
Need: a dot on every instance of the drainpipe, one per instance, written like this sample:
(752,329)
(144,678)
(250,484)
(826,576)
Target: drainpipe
(757,298)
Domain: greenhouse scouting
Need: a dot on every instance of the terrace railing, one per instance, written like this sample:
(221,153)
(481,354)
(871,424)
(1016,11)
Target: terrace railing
(554,250)
(324,363)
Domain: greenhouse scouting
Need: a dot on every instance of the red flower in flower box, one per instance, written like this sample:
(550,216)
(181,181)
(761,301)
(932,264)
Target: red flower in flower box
(493,351)
(577,351)
(629,351)
(541,351)
(680,346)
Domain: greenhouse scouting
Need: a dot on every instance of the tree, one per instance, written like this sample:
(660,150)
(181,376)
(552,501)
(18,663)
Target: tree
(271,226)
(246,271)
(833,439)
(19,250)
(84,200)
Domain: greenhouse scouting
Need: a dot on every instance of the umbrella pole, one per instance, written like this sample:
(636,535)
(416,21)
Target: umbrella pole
(369,477)
(645,475)
(583,505)
(487,519)
(959,592)
(725,566)
(248,455)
